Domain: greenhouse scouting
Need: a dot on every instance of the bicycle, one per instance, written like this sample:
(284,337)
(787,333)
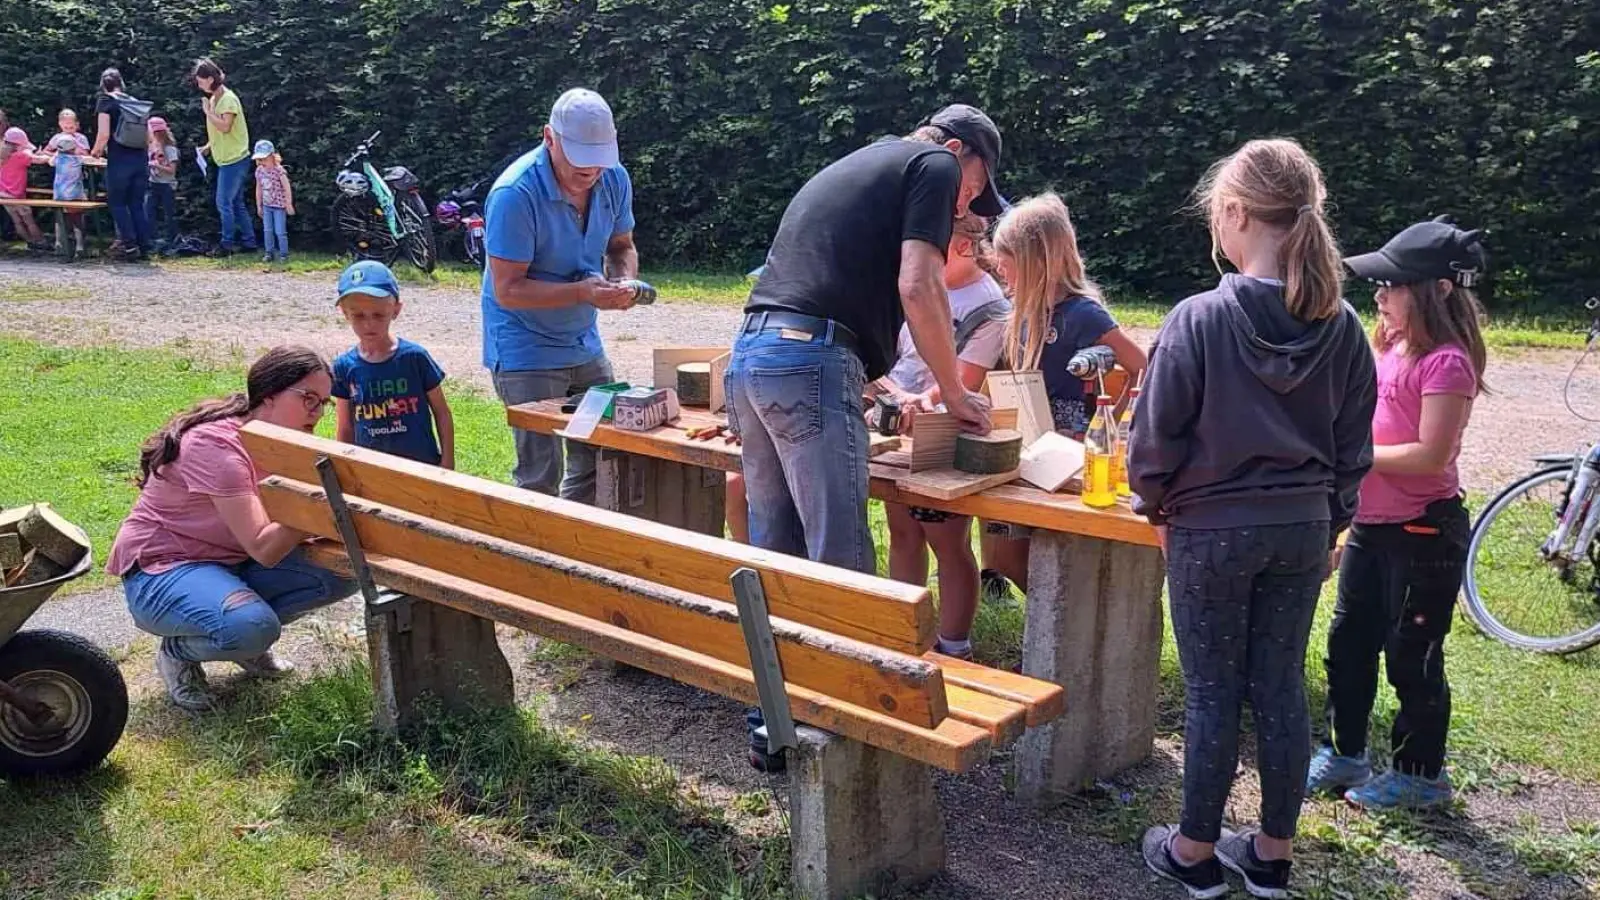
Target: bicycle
(380,215)
(1533,560)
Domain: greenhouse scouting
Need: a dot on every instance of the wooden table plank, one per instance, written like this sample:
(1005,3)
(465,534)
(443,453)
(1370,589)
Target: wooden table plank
(669,442)
(1018,504)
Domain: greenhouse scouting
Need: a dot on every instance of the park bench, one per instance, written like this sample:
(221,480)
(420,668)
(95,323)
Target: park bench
(841,651)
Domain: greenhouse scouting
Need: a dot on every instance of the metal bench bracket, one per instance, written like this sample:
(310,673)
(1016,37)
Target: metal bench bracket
(764,663)
(347,533)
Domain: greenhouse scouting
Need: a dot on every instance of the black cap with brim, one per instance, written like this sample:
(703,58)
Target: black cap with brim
(1377,266)
(1423,252)
(976,131)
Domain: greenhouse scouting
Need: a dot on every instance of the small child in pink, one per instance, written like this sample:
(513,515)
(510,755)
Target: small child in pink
(17,153)
(1403,563)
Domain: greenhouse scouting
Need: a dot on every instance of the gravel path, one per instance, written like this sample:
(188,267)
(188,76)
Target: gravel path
(226,313)
(998,848)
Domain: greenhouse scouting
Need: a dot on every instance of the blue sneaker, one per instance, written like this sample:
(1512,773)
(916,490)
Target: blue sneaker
(1334,774)
(1396,790)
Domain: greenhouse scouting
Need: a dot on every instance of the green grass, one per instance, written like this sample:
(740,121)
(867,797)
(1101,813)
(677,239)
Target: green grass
(288,794)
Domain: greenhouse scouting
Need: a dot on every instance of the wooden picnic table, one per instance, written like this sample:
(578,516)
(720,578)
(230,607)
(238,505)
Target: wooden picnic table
(62,209)
(1093,622)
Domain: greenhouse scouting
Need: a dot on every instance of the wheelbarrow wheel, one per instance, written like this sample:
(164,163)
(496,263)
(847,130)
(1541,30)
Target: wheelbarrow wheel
(86,697)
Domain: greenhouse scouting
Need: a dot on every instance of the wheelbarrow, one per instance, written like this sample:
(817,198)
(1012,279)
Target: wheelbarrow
(63,703)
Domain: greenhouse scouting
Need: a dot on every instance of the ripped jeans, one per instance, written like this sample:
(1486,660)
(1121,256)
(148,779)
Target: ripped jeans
(206,611)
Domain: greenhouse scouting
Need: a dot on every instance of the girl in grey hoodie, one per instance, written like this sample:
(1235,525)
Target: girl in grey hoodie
(1247,452)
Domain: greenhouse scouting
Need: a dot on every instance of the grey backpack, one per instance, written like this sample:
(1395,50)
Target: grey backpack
(133,122)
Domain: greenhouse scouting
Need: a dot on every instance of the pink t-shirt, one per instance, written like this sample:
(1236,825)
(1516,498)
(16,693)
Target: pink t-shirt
(1402,383)
(174,521)
(14,173)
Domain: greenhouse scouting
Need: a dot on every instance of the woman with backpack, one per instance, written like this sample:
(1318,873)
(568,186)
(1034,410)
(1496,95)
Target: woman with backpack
(228,142)
(120,139)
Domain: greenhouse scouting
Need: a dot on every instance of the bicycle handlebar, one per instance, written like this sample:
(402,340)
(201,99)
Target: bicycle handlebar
(362,149)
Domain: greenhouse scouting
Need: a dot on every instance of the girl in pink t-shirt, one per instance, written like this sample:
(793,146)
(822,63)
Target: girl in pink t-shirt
(17,153)
(1403,563)
(202,565)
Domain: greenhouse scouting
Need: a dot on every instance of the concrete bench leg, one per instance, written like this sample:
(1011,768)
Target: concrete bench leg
(420,649)
(660,490)
(1093,627)
(863,821)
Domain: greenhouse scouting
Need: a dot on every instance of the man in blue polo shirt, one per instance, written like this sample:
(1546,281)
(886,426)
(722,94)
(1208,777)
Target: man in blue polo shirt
(559,231)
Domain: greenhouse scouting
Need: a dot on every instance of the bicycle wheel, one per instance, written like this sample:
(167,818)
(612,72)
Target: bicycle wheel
(418,242)
(1513,593)
(359,223)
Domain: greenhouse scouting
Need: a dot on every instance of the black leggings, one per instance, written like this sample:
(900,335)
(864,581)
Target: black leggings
(1397,589)
(1242,604)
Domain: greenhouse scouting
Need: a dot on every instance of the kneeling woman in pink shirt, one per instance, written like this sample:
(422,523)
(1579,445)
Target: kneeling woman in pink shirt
(202,565)
(1403,564)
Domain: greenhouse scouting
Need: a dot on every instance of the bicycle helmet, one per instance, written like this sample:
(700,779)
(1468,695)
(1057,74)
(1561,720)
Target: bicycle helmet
(352,183)
(447,212)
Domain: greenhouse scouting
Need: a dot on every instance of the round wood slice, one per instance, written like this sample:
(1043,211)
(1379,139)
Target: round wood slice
(988,454)
(694,384)
(62,542)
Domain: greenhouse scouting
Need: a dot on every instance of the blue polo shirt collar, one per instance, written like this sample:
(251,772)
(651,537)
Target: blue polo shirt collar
(545,175)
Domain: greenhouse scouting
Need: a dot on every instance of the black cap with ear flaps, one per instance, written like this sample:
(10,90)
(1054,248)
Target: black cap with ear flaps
(1424,252)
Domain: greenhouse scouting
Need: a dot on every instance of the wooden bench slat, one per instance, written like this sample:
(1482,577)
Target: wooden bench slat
(1045,701)
(898,685)
(1003,719)
(874,610)
(70,205)
(954,745)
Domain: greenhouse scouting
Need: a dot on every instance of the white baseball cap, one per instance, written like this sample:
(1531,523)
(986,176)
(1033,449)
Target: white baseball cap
(588,134)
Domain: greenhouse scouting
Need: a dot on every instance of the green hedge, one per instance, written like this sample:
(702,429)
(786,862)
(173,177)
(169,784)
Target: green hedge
(1415,107)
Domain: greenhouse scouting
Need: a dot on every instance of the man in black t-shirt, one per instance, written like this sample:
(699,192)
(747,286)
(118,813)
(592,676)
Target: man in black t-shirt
(860,250)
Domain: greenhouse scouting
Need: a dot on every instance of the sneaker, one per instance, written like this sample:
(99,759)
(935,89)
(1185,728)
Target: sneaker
(221,251)
(267,258)
(186,682)
(1262,878)
(995,589)
(1202,880)
(1397,790)
(760,759)
(267,665)
(1334,774)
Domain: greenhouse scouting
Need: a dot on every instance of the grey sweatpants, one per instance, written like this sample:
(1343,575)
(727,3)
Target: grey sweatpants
(1242,604)
(539,456)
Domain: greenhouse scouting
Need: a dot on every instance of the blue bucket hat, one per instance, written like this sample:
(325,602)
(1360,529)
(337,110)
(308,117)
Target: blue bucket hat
(368,277)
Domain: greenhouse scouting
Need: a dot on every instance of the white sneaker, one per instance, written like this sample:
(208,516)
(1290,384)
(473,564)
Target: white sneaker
(267,665)
(186,682)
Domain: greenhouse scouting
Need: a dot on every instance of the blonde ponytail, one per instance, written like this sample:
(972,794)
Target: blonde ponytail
(1277,182)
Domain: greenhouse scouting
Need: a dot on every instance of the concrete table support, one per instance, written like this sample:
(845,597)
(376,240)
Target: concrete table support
(424,654)
(661,490)
(1094,627)
(863,821)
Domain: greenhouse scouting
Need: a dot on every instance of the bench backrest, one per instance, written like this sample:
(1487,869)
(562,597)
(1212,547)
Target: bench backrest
(650,579)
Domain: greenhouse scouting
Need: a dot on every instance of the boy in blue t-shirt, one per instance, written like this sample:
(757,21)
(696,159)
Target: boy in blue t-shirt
(387,390)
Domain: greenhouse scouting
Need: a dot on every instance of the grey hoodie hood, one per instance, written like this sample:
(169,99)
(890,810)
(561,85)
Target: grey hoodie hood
(1280,350)
(1250,416)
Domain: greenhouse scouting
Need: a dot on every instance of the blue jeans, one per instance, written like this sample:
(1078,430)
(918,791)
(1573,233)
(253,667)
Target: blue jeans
(797,405)
(539,457)
(206,611)
(275,231)
(232,209)
(161,206)
(127,183)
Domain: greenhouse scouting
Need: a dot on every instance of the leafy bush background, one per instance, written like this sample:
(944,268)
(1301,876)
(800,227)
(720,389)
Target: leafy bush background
(1490,111)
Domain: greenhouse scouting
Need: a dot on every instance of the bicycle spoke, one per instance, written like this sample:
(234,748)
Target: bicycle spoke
(1524,593)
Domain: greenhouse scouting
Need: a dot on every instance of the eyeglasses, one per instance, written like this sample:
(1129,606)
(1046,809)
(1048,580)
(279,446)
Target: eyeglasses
(313,402)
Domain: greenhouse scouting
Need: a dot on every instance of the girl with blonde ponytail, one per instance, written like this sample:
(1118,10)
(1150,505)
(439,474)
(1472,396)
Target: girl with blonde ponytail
(1248,449)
